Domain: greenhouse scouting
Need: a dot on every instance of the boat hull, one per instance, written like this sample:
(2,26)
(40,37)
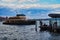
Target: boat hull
(28,22)
(51,29)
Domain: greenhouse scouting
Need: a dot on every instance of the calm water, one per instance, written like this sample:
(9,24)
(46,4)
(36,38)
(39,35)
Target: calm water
(25,32)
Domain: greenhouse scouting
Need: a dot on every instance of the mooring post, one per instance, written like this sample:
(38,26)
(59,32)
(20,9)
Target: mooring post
(36,26)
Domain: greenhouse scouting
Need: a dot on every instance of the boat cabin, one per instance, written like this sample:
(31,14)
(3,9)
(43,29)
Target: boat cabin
(19,16)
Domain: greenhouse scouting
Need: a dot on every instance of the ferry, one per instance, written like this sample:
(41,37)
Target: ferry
(19,19)
(51,24)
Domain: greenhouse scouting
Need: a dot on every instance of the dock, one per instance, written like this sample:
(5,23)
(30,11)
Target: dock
(52,24)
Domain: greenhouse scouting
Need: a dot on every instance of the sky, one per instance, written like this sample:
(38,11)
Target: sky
(31,8)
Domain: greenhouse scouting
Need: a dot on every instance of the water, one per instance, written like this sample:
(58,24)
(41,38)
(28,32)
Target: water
(25,32)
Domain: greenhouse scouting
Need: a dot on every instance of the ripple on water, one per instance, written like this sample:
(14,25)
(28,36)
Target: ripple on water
(25,32)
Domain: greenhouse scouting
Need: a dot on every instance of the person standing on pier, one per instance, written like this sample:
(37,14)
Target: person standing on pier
(55,25)
(40,24)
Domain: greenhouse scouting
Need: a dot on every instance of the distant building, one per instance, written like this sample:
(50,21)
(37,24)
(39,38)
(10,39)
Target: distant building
(2,18)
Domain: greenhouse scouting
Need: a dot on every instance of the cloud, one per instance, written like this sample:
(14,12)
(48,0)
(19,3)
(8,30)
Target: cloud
(32,1)
(27,1)
(18,1)
(30,5)
(27,4)
(38,16)
(9,1)
(34,13)
(7,11)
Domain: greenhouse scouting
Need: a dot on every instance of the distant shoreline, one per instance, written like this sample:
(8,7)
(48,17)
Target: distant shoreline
(2,18)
